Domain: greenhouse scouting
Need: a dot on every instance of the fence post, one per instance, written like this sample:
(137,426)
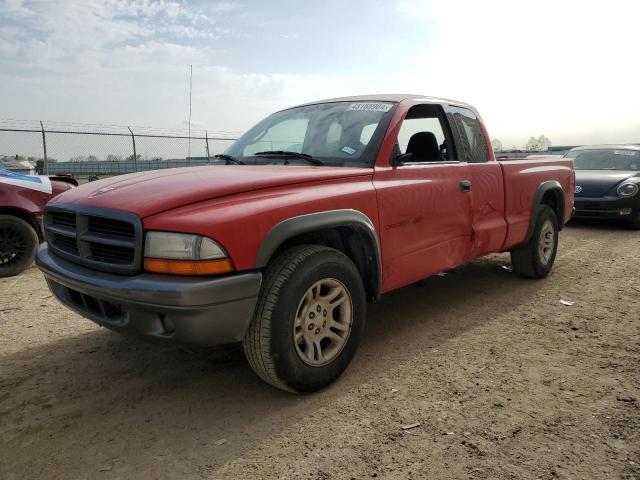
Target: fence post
(135,156)
(44,146)
(206,140)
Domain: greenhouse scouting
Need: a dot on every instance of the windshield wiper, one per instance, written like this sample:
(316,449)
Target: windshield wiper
(229,159)
(287,153)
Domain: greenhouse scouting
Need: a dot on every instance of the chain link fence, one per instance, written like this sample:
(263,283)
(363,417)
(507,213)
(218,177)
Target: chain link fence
(85,150)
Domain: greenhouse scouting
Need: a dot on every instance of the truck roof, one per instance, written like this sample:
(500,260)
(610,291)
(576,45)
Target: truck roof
(390,97)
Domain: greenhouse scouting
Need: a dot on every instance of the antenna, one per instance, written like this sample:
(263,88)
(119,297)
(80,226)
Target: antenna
(190,88)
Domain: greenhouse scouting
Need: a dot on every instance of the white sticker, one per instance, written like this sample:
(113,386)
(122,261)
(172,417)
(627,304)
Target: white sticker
(349,150)
(629,153)
(370,107)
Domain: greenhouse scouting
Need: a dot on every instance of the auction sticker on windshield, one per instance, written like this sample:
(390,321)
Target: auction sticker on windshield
(370,107)
(629,153)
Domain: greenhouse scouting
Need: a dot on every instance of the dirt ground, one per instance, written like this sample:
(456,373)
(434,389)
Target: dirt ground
(503,381)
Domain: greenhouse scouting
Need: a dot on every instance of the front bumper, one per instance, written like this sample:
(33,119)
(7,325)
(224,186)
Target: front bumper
(191,310)
(610,208)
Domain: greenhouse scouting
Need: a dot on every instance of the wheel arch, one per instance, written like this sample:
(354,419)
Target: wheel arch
(349,231)
(549,193)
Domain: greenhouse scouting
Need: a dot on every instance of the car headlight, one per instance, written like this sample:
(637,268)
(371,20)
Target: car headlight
(627,189)
(184,254)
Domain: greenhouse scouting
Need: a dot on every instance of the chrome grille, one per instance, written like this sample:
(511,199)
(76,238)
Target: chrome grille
(100,239)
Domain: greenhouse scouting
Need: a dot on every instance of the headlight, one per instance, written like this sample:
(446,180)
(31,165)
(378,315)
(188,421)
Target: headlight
(184,254)
(627,189)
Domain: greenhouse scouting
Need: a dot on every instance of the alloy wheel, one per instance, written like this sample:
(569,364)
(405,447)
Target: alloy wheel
(323,322)
(546,242)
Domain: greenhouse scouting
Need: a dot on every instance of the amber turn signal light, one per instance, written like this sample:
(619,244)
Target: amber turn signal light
(188,267)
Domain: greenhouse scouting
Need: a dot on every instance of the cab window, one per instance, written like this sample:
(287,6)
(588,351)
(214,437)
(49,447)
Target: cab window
(473,144)
(422,135)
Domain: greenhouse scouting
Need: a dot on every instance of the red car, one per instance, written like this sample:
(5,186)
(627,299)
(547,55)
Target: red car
(22,198)
(319,209)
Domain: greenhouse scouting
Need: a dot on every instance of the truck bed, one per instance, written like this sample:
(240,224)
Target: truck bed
(522,178)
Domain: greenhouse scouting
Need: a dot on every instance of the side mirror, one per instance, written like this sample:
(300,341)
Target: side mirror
(400,158)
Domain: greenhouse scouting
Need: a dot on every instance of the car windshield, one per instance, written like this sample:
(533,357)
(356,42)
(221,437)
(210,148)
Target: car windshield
(605,159)
(338,134)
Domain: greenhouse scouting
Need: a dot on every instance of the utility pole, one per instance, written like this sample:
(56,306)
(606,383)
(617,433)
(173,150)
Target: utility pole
(44,145)
(135,154)
(190,88)
(206,144)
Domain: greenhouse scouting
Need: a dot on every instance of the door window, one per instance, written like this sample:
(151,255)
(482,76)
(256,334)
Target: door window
(422,135)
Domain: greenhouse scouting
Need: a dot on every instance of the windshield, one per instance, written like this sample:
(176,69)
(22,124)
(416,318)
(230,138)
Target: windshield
(605,159)
(339,133)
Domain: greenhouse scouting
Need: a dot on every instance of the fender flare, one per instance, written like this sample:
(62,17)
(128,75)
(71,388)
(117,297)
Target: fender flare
(298,225)
(550,185)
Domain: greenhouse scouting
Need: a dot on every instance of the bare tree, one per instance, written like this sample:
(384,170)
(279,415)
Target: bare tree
(540,144)
(544,143)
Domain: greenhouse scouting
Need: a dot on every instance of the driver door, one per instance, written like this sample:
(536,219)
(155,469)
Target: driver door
(424,202)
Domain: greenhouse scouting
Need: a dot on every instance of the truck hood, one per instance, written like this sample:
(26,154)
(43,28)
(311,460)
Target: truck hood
(597,183)
(148,193)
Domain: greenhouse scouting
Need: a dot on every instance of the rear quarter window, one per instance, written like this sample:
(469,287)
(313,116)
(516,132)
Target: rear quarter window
(473,145)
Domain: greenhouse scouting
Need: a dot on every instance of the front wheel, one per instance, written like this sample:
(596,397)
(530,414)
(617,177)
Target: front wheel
(535,258)
(309,319)
(18,243)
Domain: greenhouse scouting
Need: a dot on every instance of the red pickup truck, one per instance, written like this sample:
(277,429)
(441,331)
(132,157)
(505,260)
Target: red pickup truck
(317,210)
(22,199)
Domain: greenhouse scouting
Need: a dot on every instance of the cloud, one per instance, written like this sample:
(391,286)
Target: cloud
(15,7)
(563,69)
(127,62)
(144,8)
(63,35)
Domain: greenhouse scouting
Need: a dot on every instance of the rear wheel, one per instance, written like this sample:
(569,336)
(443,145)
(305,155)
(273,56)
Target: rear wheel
(18,243)
(308,321)
(535,258)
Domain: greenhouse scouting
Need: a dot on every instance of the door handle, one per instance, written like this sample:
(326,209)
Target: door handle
(465,185)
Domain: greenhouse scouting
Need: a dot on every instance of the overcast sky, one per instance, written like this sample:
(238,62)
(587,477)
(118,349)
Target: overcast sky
(566,69)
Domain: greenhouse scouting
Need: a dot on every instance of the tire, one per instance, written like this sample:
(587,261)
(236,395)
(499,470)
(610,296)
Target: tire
(535,258)
(279,343)
(18,243)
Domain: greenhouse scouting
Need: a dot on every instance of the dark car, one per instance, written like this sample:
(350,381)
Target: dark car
(607,182)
